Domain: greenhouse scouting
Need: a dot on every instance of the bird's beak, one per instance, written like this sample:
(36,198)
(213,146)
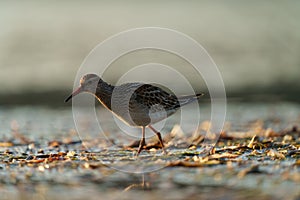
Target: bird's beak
(77,91)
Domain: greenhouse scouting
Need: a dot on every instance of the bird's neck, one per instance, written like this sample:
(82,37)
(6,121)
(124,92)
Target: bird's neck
(104,92)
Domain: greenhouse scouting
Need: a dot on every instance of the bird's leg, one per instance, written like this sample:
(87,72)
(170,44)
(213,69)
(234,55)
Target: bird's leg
(159,137)
(142,143)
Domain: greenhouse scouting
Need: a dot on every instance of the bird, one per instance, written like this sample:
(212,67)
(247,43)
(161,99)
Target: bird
(137,104)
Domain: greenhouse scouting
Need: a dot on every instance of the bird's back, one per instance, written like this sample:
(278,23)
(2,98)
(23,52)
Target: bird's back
(140,104)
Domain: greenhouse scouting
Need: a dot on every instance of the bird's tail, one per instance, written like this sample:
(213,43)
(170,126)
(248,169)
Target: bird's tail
(183,100)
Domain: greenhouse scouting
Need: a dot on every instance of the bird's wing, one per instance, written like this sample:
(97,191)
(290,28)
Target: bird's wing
(150,95)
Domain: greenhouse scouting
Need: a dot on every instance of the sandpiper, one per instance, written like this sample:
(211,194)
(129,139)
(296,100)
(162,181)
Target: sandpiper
(136,104)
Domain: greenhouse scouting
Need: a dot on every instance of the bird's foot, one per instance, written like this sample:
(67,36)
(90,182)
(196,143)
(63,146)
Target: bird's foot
(141,146)
(164,150)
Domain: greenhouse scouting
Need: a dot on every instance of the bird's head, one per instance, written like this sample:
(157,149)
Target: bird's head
(88,83)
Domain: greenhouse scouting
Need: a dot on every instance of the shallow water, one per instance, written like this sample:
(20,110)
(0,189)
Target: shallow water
(44,122)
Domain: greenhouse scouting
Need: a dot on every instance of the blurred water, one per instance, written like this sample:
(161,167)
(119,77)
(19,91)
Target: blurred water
(36,122)
(48,123)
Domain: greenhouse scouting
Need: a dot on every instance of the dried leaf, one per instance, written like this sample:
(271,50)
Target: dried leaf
(6,144)
(54,143)
(252,169)
(275,154)
(223,155)
(184,164)
(250,145)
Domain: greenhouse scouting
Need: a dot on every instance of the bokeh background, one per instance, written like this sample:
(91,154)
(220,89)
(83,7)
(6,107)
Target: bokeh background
(255,44)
